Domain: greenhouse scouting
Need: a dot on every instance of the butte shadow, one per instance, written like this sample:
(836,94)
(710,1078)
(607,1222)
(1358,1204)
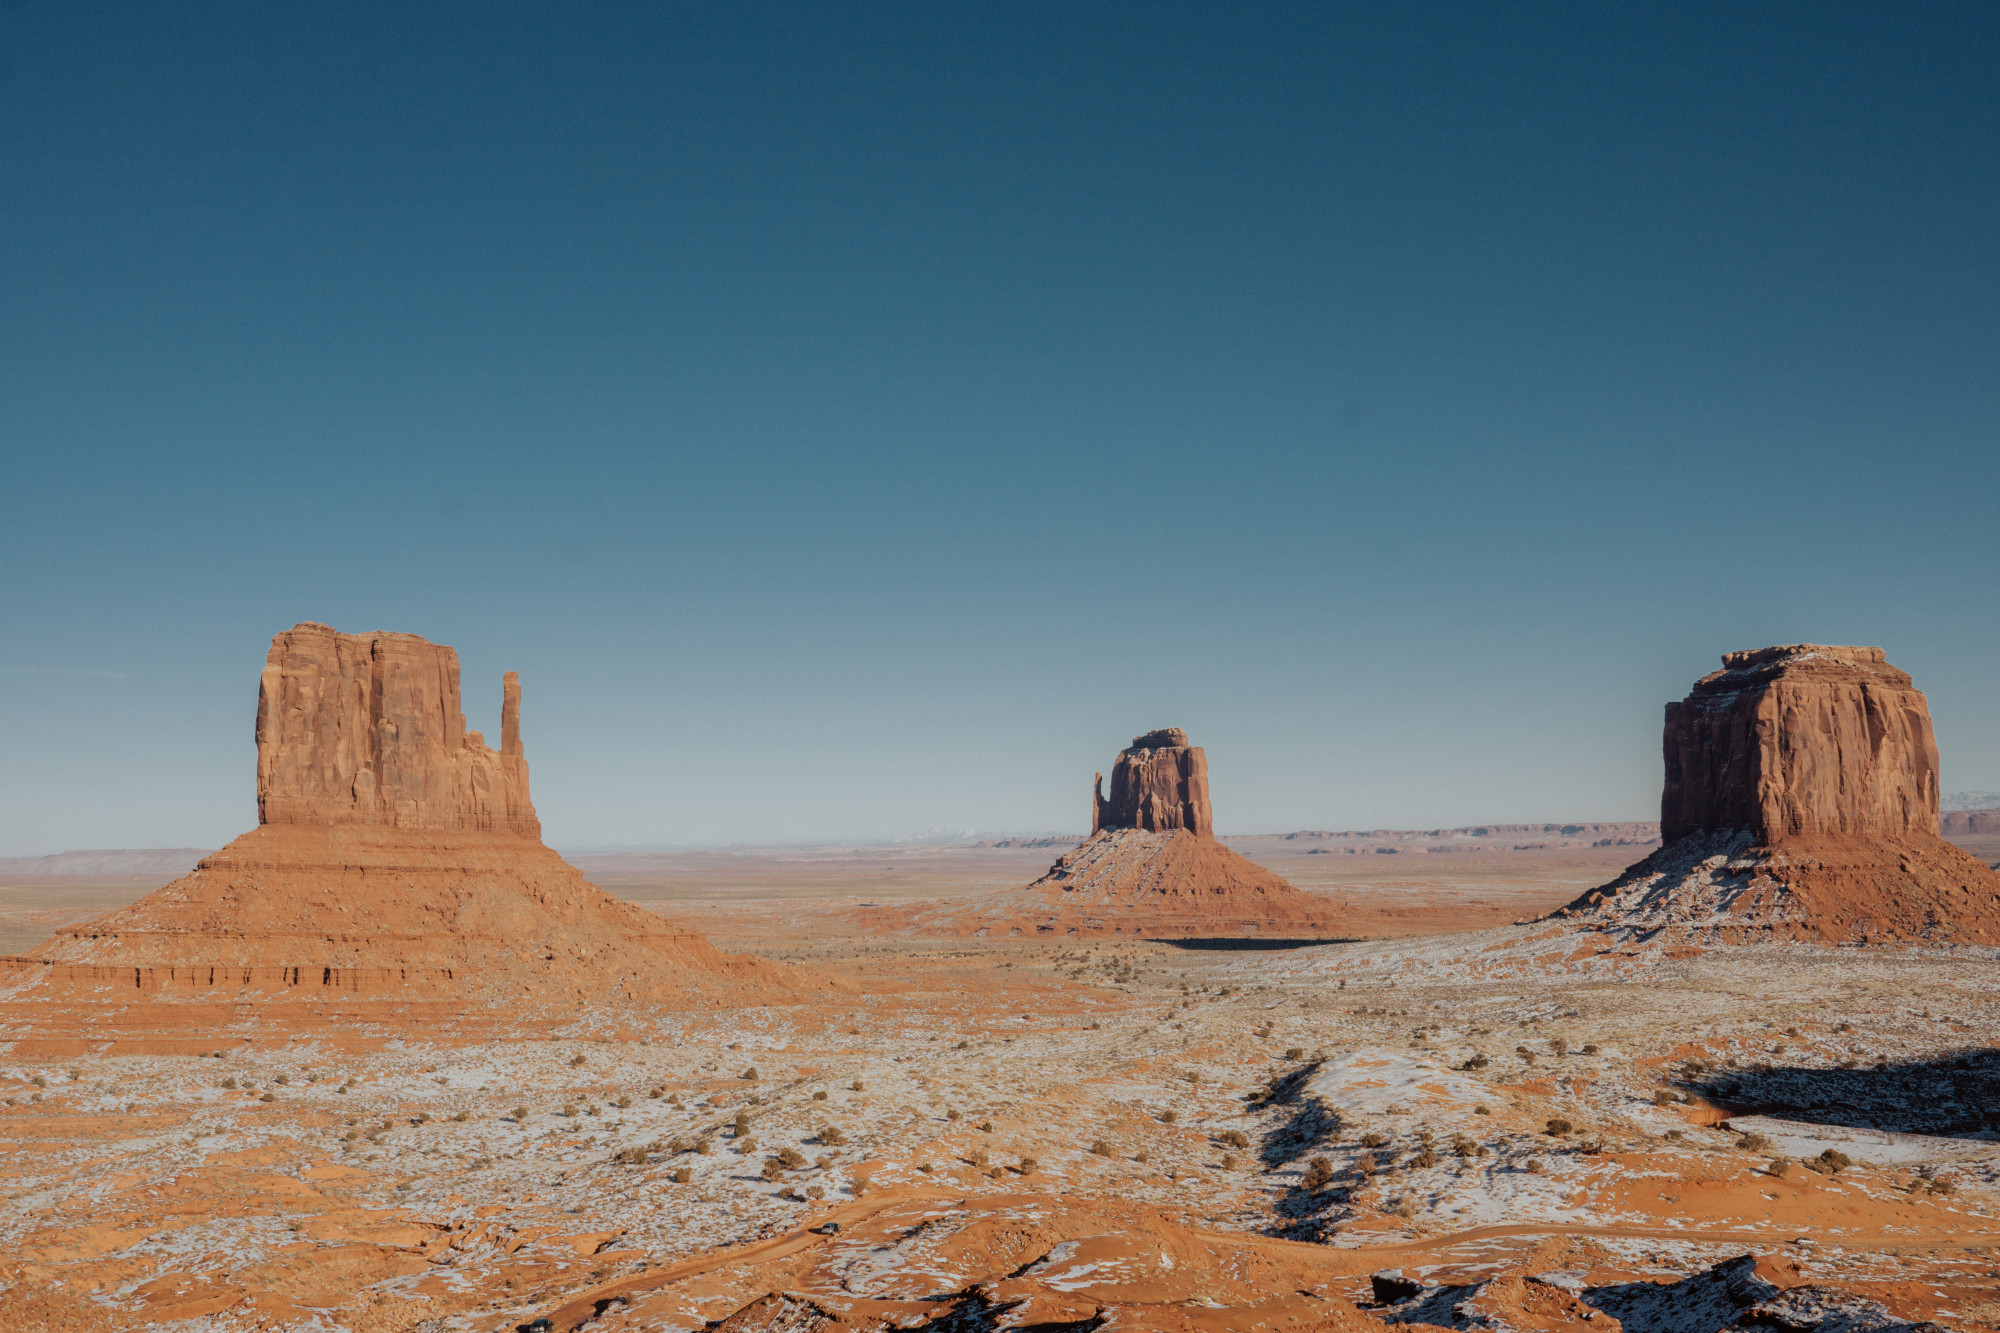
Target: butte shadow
(1800,803)
(1151,868)
(396,856)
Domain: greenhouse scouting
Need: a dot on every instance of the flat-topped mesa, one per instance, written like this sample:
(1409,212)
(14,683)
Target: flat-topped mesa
(368,729)
(1160,782)
(1801,802)
(1801,740)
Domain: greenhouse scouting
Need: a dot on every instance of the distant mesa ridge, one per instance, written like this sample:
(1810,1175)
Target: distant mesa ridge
(1800,800)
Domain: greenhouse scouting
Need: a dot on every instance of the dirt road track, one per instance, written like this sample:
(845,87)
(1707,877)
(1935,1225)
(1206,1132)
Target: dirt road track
(581,1308)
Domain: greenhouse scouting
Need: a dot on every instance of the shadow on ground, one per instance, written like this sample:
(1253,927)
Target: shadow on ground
(1953,1097)
(1252,943)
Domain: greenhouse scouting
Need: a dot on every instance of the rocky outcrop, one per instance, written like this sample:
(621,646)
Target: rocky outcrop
(1159,782)
(1801,802)
(397,856)
(1801,740)
(369,729)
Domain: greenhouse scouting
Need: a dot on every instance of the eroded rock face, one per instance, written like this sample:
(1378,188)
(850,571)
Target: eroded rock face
(1801,802)
(369,729)
(1801,740)
(1159,783)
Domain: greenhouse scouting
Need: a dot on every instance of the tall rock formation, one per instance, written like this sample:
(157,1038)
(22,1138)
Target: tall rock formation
(1801,801)
(370,729)
(1151,867)
(396,855)
(1160,782)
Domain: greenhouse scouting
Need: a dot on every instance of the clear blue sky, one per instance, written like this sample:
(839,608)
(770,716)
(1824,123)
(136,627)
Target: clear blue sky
(857,419)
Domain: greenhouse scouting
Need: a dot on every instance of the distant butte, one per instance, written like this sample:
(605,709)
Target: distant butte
(1801,802)
(396,854)
(1151,866)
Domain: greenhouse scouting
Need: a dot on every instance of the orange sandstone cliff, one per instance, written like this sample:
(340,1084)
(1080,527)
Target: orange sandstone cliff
(1801,802)
(396,855)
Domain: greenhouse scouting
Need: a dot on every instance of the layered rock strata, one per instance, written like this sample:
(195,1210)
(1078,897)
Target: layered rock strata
(396,854)
(1801,801)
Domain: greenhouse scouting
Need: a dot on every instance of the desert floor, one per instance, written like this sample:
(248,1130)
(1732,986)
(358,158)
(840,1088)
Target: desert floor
(1214,1135)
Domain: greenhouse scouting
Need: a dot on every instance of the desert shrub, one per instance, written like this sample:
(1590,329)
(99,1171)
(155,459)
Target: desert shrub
(1103,1149)
(283,1080)
(1235,1138)
(1142,1156)
(655,1093)
(577,1062)
(1365,1165)
(1229,1161)
(773,1168)
(832,1136)
(985,1127)
(820,1096)
(1831,1162)
(1029,1166)
(1295,1052)
(569,1109)
(742,1123)
(815,1192)
(1753,1143)
(1169,1116)
(963,1045)
(39,1081)
(350,1136)
(822,1162)
(1427,1158)
(1661,1097)
(1477,1060)
(520,1113)
(1534,1167)
(1944,1186)
(951,1114)
(1559,1127)
(423,1117)
(1560,1045)
(704,1145)
(1319,1174)
(1675,1134)
(622,1103)
(268,1097)
(229,1083)
(682,1175)
(1481,1110)
(792,1159)
(746,1145)
(1373,1139)
(855,1086)
(976,1157)
(750,1074)
(1778,1166)
(1590,1048)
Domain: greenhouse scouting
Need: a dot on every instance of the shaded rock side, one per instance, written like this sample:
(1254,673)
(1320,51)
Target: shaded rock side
(1159,782)
(370,729)
(1801,802)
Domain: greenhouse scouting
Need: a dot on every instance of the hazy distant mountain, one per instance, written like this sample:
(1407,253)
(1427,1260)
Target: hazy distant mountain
(170,862)
(1969,800)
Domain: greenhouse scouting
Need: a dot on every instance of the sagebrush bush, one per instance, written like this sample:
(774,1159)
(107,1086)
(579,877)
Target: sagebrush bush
(1319,1174)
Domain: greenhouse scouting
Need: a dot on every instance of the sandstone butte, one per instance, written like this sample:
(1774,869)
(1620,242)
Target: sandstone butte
(1801,802)
(396,855)
(1151,866)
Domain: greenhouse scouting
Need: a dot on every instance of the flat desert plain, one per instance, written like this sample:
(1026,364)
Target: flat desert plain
(1535,1128)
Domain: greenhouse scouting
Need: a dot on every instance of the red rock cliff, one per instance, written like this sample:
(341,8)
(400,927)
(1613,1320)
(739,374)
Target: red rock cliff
(1801,740)
(368,729)
(1160,782)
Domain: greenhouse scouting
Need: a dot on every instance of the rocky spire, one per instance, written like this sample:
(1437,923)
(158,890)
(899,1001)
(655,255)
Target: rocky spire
(368,729)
